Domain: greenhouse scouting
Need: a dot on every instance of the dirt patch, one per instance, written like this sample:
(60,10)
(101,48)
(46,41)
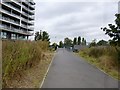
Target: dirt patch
(32,78)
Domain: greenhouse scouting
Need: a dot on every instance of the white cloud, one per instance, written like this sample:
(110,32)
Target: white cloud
(71,19)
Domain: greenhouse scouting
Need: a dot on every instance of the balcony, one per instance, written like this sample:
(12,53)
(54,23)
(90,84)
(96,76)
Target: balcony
(16,2)
(30,5)
(24,26)
(27,9)
(10,21)
(31,23)
(25,14)
(10,6)
(9,13)
(23,19)
(31,28)
(6,28)
(32,17)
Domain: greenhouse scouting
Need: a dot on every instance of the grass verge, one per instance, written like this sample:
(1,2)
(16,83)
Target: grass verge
(24,63)
(104,58)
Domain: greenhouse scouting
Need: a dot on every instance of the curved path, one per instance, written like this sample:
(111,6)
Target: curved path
(69,71)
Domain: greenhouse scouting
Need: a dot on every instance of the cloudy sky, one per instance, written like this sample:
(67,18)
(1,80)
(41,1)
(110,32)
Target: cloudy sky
(72,18)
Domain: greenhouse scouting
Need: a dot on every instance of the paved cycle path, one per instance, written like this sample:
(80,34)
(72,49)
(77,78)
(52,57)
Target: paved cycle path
(70,71)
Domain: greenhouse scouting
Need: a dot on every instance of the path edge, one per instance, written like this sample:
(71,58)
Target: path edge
(99,69)
(47,71)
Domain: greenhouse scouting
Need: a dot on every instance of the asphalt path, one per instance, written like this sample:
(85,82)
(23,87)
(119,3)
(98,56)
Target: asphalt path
(70,71)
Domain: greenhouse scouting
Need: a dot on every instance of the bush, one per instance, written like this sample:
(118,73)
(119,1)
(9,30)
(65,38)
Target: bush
(105,57)
(20,55)
(95,52)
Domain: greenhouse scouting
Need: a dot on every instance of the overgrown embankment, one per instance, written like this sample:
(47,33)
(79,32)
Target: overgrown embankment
(105,58)
(20,56)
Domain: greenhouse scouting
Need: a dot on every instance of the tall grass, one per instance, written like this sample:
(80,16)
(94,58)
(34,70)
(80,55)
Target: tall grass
(20,55)
(106,58)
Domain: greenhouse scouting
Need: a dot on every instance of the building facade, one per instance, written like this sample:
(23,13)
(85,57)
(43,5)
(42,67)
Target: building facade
(16,19)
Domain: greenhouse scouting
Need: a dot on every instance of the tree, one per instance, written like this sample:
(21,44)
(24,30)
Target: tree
(36,36)
(54,45)
(79,40)
(67,42)
(44,36)
(102,43)
(40,36)
(61,45)
(75,41)
(114,31)
(83,41)
(93,43)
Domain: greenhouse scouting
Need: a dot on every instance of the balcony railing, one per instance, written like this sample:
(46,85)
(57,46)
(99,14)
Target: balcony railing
(25,26)
(28,10)
(14,8)
(32,17)
(17,2)
(9,13)
(25,14)
(31,28)
(27,2)
(15,30)
(30,22)
(26,20)
(10,20)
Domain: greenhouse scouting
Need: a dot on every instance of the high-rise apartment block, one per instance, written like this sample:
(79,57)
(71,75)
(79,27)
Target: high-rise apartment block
(16,19)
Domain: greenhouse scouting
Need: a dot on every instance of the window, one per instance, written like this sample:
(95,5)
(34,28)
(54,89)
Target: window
(13,36)
(4,35)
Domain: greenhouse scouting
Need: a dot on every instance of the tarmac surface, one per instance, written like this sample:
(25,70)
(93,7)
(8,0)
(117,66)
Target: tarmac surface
(70,71)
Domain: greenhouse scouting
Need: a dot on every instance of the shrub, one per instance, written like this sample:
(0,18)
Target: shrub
(20,55)
(96,52)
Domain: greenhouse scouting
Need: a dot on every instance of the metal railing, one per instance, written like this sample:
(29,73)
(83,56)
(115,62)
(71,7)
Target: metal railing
(14,8)
(12,29)
(24,25)
(17,2)
(9,13)
(25,14)
(27,2)
(32,17)
(31,28)
(30,22)
(11,20)
(26,20)
(28,10)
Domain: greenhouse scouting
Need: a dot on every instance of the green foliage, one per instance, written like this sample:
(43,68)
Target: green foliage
(105,58)
(44,36)
(102,43)
(114,31)
(83,41)
(75,41)
(95,52)
(79,40)
(61,45)
(54,45)
(67,42)
(93,43)
(20,55)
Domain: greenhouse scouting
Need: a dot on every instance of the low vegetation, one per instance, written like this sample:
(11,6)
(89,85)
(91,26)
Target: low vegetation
(18,56)
(105,58)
